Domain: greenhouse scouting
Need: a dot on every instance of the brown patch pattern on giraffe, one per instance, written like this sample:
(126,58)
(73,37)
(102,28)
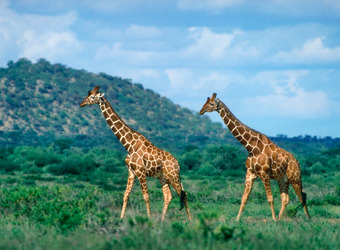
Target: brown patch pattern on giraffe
(266,160)
(144,159)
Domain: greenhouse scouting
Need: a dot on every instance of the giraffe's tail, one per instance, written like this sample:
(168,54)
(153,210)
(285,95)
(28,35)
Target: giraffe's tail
(182,199)
(304,199)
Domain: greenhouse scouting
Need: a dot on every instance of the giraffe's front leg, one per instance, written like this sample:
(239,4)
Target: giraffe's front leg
(142,181)
(266,183)
(250,178)
(131,181)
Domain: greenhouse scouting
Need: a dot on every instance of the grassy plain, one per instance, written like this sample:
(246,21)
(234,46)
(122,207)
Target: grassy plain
(41,211)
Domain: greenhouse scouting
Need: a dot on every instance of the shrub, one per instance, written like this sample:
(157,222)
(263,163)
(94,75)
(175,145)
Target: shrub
(191,159)
(87,164)
(332,200)
(8,165)
(67,166)
(291,211)
(33,170)
(112,165)
(223,232)
(73,164)
(208,170)
(235,173)
(224,157)
(39,155)
(315,202)
(318,168)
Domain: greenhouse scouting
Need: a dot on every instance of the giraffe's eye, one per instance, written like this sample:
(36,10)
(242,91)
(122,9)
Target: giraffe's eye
(211,104)
(92,97)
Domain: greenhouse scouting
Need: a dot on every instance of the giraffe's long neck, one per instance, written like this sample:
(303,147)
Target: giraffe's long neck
(252,140)
(123,132)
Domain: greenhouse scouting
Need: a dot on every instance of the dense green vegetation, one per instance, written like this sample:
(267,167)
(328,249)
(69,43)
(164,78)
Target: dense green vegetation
(61,157)
(72,199)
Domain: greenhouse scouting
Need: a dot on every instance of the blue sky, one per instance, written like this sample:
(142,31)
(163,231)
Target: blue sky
(275,64)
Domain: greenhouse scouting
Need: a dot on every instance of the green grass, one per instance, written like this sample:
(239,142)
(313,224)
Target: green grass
(47,212)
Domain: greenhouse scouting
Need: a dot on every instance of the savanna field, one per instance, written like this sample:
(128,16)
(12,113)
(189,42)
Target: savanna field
(64,197)
(63,176)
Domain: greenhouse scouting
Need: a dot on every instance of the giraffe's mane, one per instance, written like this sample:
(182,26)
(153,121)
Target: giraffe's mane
(247,127)
(114,111)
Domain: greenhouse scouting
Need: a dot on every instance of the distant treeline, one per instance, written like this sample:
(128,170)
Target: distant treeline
(64,157)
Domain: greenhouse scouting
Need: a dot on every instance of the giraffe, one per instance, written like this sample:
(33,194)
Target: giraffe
(266,160)
(143,159)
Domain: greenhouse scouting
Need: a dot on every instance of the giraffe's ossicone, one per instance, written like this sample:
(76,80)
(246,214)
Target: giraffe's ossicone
(266,160)
(143,159)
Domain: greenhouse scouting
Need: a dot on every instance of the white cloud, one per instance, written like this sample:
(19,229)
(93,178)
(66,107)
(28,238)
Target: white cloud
(135,46)
(51,45)
(185,82)
(35,36)
(208,44)
(311,52)
(144,32)
(287,98)
(180,79)
(302,105)
(150,46)
(117,53)
(189,79)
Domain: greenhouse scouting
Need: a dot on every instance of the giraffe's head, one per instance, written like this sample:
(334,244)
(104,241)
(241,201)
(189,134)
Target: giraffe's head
(212,104)
(93,97)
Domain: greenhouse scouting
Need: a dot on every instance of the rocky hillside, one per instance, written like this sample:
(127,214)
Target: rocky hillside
(40,103)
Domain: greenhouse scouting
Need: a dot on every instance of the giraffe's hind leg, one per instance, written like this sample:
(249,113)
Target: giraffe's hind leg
(270,199)
(131,181)
(283,185)
(142,181)
(167,196)
(294,177)
(182,195)
(171,173)
(302,197)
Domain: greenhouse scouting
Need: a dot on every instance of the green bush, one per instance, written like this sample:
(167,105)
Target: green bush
(8,165)
(235,173)
(224,157)
(53,206)
(112,165)
(70,165)
(318,168)
(39,155)
(73,164)
(208,170)
(191,159)
(332,200)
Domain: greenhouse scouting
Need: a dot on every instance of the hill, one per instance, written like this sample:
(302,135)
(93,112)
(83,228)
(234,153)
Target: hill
(40,103)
